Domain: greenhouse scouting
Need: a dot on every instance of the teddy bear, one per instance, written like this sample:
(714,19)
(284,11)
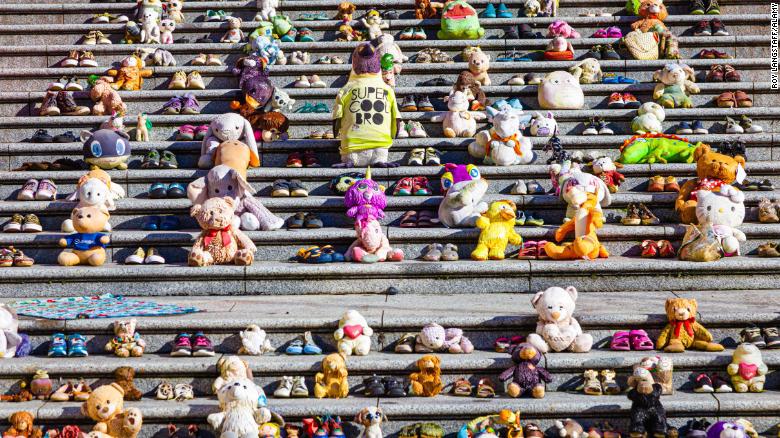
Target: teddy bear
(150,28)
(433,338)
(479,64)
(167,26)
(607,170)
(458,121)
(173,9)
(463,189)
(587,71)
(219,243)
(556,329)
(87,246)
(353,335)
(107,100)
(543,125)
(712,171)
(124,377)
(648,415)
(427,381)
(724,211)
(241,413)
(652,14)
(94,188)
(231,368)
(130,75)
(267,10)
(332,381)
(497,227)
(424,9)
(747,369)
(234,33)
(560,90)
(683,331)
(525,376)
(559,49)
(254,341)
(105,405)
(503,143)
(229,127)
(126,342)
(374,24)
(22,426)
(467,84)
(676,83)
(649,118)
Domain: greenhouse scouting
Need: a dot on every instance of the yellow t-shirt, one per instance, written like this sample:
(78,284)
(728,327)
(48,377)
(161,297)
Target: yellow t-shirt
(367,109)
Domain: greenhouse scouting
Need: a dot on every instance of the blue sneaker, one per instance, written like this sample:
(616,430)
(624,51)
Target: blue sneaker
(77,345)
(500,104)
(58,347)
(684,128)
(503,12)
(489,12)
(515,103)
(310,347)
(295,347)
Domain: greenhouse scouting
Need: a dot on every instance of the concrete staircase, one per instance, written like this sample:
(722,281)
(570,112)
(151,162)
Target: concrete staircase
(487,300)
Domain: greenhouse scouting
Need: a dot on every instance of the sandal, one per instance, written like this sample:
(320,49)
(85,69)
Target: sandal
(462,388)
(21,260)
(727,99)
(620,341)
(591,384)
(432,252)
(449,253)
(640,341)
(743,100)
(409,219)
(486,388)
(426,219)
(406,343)
(608,383)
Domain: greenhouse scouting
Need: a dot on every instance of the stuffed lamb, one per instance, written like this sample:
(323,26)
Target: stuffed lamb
(556,329)
(724,210)
(503,144)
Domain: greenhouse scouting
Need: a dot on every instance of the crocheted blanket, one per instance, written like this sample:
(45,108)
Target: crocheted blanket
(99,306)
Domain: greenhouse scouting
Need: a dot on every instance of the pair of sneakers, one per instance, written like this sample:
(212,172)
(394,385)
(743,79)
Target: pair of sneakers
(74,345)
(411,129)
(184,81)
(192,345)
(303,344)
(597,126)
(34,190)
(187,105)
(291,386)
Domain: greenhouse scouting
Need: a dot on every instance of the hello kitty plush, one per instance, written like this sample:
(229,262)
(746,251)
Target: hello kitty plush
(724,210)
(167,26)
(458,121)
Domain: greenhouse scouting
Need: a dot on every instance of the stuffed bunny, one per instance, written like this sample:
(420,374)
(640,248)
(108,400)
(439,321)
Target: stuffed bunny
(225,127)
(223,181)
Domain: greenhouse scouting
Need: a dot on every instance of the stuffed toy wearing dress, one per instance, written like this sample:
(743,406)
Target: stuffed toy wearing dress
(105,406)
(747,369)
(331,382)
(87,246)
(557,329)
(234,33)
(130,74)
(353,335)
(433,338)
(683,331)
(219,242)
(724,211)
(525,376)
(498,230)
(463,188)
(426,382)
(126,341)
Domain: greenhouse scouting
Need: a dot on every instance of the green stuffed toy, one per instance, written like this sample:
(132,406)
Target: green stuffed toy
(632,6)
(657,148)
(459,21)
(283,28)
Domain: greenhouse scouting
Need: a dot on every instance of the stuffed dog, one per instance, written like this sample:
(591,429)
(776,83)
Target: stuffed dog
(371,418)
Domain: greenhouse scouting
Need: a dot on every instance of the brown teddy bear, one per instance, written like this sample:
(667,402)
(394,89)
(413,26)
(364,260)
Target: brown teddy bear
(22,426)
(130,75)
(107,100)
(426,9)
(124,376)
(87,246)
(219,243)
(712,171)
(332,381)
(346,9)
(106,406)
(468,84)
(126,341)
(426,382)
(683,331)
(652,14)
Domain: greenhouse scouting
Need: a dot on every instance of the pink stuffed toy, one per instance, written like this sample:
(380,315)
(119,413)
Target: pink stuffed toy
(561,28)
(372,245)
(433,338)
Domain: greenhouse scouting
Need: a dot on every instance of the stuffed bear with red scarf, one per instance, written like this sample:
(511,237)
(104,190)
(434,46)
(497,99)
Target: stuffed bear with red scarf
(219,243)
(683,331)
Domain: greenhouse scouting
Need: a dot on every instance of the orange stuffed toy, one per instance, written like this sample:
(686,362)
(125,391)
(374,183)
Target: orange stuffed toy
(130,75)
(22,426)
(652,13)
(683,331)
(427,382)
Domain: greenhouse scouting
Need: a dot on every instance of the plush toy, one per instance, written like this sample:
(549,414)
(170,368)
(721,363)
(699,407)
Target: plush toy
(173,9)
(280,101)
(531,8)
(459,21)
(683,331)
(366,135)
(365,199)
(648,119)
(142,127)
(267,10)
(560,90)
(607,170)
(713,170)
(479,64)
(433,338)
(488,425)
(556,328)
(676,85)
(167,26)
(648,415)
(353,335)
(11,341)
(229,127)
(569,428)
(374,24)
(424,9)
(241,414)
(348,33)
(458,121)
(114,122)
(265,47)
(107,100)
(105,405)
(219,243)
(130,75)
(463,188)
(661,369)
(87,246)
(572,185)
(587,71)
(150,28)
(724,211)
(94,189)
(124,376)
(559,49)
(747,369)
(345,11)
(106,148)
(427,381)
(587,219)
(729,429)
(234,33)
(371,245)
(562,29)
(652,14)
(498,229)
(385,44)
(126,341)
(41,385)
(254,341)
(159,57)
(525,376)
(132,33)
(143,5)
(467,84)
(22,426)
(332,381)
(503,144)
(371,419)
(231,368)
(657,148)
(253,80)
(543,125)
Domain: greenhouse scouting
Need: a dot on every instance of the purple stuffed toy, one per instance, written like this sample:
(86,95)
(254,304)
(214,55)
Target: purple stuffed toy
(254,81)
(726,429)
(526,376)
(365,200)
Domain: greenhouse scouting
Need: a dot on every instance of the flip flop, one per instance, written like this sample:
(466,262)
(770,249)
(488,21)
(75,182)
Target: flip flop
(640,341)
(620,341)
(409,219)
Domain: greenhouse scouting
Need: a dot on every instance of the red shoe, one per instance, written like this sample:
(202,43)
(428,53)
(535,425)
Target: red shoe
(294,160)
(421,186)
(403,187)
(665,249)
(310,159)
(631,101)
(649,248)
(616,101)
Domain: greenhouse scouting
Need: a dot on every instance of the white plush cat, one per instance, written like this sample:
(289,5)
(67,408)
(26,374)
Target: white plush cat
(724,210)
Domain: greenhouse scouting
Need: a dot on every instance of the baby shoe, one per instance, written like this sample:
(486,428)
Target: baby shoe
(47,191)
(27,193)
(77,345)
(201,345)
(195,81)
(178,81)
(285,387)
(182,346)
(703,383)
(58,346)
(190,104)
(309,347)
(173,106)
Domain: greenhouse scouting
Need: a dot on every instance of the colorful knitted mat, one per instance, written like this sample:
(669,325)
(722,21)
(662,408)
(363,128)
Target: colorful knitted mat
(99,306)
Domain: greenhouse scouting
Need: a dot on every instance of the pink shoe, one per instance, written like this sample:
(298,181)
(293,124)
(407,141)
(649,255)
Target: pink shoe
(47,191)
(27,193)
(614,32)
(200,132)
(640,341)
(620,341)
(601,33)
(395,255)
(185,133)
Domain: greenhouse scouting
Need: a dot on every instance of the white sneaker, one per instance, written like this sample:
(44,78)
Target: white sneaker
(302,82)
(136,258)
(416,130)
(153,257)
(284,388)
(402,132)
(316,82)
(519,188)
(732,127)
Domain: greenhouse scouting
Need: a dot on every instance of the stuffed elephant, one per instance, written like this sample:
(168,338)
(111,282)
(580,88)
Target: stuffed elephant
(223,181)
(225,127)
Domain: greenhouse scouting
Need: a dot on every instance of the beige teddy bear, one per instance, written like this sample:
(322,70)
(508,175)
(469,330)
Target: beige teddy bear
(747,369)
(230,368)
(219,243)
(126,341)
(587,71)
(479,64)
(676,83)
(557,330)
(353,335)
(105,405)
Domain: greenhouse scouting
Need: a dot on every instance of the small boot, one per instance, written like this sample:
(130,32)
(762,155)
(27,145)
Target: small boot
(68,106)
(49,105)
(766,212)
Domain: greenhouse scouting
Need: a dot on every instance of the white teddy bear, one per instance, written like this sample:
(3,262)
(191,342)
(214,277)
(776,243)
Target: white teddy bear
(150,29)
(354,334)
(241,413)
(503,144)
(254,341)
(458,121)
(556,329)
(724,210)
(648,118)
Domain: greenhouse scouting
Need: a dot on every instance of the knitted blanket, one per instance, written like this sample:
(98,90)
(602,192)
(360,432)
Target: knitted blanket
(99,306)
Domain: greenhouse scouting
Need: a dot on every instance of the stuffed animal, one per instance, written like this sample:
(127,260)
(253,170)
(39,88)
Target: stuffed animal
(467,84)
(652,14)
(12,343)
(142,127)
(124,376)
(106,148)
(433,338)
(173,9)
(657,148)
(661,369)
(648,415)
(489,425)
(266,47)
(559,49)
(159,57)
(231,368)
(87,246)
(724,211)
(676,84)
(531,8)
(385,44)
(607,170)
(458,121)
(241,414)
(371,419)
(479,64)
(114,122)
(365,199)
(234,33)
(562,29)
(374,24)
(229,127)
(94,188)
(459,21)
(345,11)
(143,5)
(683,331)
(371,245)
(22,425)
(347,33)
(713,170)
(729,429)
(586,221)
(105,405)
(150,28)
(332,381)
(167,26)
(572,185)
(267,10)
(525,376)
(427,381)
(280,101)
(366,135)
(219,243)
(498,229)
(569,428)
(424,9)
(353,335)
(254,341)
(543,125)
(648,118)
(132,33)
(503,144)
(463,188)
(41,385)
(587,71)
(107,100)
(560,90)
(130,74)
(126,341)
(556,328)
(747,369)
